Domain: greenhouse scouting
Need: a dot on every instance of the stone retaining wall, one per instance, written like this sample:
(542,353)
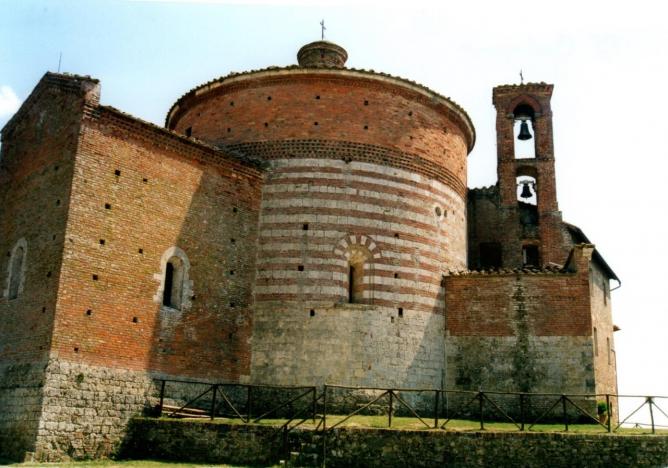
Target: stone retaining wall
(203,442)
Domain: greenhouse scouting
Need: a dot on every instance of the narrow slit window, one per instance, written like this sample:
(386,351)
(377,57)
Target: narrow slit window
(16,272)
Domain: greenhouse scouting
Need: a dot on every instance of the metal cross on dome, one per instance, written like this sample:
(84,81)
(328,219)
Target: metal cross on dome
(322,32)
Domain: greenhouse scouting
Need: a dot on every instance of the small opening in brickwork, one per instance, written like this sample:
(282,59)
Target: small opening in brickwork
(300,267)
(89,312)
(56,168)
(117,172)
(305,226)
(317,97)
(53,237)
(141,251)
(95,277)
(396,235)
(312,313)
(490,255)
(232,241)
(43,309)
(230,335)
(145,180)
(189,131)
(57,202)
(102,242)
(266,124)
(268,98)
(609,351)
(231,272)
(48,274)
(396,275)
(107,206)
(232,304)
(410,137)
(366,127)
(229,129)
(315,123)
(76,350)
(530,255)
(235,209)
(437,211)
(366,103)
(400,311)
(135,320)
(391,319)
(232,103)
(410,113)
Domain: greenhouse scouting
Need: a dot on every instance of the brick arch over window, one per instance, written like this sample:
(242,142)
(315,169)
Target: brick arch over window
(359,253)
(16,270)
(176,289)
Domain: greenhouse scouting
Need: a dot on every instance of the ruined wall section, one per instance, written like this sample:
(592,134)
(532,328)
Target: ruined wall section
(36,165)
(521,331)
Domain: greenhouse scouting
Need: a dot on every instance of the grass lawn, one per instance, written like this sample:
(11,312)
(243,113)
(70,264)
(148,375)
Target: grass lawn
(117,464)
(411,423)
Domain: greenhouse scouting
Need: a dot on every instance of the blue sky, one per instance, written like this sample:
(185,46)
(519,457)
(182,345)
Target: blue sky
(608,61)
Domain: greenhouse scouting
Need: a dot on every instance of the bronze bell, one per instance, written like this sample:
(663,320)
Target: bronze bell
(524,131)
(526,191)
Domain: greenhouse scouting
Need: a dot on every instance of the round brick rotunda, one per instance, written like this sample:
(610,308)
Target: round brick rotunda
(363,210)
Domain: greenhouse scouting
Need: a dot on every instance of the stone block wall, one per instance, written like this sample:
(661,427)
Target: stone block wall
(198,442)
(347,344)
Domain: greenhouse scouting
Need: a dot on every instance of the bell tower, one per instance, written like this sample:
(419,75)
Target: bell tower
(526,176)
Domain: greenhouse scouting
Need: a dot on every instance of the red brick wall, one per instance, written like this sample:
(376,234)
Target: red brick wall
(38,149)
(168,192)
(338,105)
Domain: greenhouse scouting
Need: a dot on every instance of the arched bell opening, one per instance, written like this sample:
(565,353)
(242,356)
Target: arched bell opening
(523,132)
(527,187)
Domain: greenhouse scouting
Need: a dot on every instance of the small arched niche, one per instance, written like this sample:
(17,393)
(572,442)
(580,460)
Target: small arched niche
(16,270)
(524,136)
(358,271)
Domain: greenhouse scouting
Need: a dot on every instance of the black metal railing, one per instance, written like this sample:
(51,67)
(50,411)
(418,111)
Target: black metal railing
(292,406)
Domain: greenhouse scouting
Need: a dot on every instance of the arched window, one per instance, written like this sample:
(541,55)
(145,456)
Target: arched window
(358,256)
(16,270)
(175,290)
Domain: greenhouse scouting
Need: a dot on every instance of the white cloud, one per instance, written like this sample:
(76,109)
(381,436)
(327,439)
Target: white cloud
(9,101)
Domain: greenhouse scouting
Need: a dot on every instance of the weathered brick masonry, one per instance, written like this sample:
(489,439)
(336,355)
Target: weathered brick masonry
(296,225)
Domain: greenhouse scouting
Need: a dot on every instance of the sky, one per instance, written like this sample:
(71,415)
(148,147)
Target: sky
(608,61)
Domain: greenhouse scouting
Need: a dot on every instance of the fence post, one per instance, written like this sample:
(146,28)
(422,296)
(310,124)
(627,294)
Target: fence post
(162,397)
(607,405)
(213,401)
(314,405)
(563,409)
(522,411)
(324,409)
(651,413)
(482,417)
(248,403)
(389,417)
(438,395)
